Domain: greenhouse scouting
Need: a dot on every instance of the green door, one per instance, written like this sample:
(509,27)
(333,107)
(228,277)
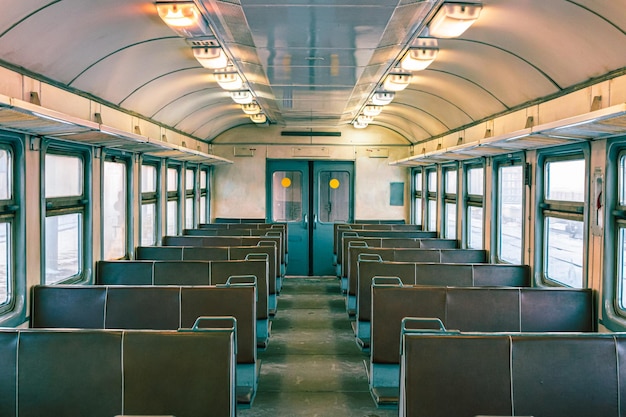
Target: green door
(310,196)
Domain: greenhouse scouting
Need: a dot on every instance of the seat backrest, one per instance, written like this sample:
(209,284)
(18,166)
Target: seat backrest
(574,375)
(476,309)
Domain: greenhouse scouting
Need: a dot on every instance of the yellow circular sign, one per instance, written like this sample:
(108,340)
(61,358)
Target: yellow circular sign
(334,183)
(285,182)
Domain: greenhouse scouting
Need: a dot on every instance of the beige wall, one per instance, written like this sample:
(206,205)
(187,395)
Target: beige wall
(239,189)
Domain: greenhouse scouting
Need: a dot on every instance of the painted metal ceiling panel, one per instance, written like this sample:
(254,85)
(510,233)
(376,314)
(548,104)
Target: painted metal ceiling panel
(313,64)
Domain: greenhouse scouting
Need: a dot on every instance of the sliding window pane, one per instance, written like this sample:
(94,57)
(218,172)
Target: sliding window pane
(475,227)
(148,179)
(432,215)
(148,224)
(450,231)
(511,188)
(189,213)
(172,218)
(621,267)
(64,176)
(5,262)
(114,210)
(565,180)
(63,237)
(475,178)
(6,178)
(564,263)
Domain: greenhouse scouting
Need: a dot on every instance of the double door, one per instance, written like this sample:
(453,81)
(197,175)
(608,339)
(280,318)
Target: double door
(310,196)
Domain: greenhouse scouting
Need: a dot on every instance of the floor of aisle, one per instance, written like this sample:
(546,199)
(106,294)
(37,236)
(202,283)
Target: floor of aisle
(312,366)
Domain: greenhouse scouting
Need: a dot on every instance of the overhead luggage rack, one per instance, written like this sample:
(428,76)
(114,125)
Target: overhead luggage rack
(32,119)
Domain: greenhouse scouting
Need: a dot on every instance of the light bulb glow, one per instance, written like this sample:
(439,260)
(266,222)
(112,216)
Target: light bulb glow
(251,108)
(258,118)
(211,57)
(396,81)
(453,19)
(364,119)
(418,59)
(358,125)
(241,97)
(382,98)
(228,80)
(372,110)
(183,17)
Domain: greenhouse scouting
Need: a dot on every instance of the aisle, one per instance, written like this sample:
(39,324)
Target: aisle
(313,366)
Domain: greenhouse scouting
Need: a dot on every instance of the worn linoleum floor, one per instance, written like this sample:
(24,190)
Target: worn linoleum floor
(312,366)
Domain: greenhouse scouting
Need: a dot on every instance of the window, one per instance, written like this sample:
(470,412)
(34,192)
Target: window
(450,199)
(172,200)
(510,212)
(287,196)
(431,197)
(474,179)
(149,201)
(190,197)
(7,220)
(204,196)
(417,200)
(65,216)
(114,209)
(334,197)
(562,210)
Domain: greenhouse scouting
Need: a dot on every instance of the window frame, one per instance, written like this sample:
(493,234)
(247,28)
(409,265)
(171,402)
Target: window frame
(82,204)
(472,200)
(558,209)
(512,159)
(14,312)
(204,193)
(431,196)
(127,160)
(176,195)
(192,194)
(155,198)
(449,198)
(613,216)
(417,215)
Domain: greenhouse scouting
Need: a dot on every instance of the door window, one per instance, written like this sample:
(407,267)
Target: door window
(287,199)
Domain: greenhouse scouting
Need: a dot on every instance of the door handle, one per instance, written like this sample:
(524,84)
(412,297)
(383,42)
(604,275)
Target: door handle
(306,221)
(314,221)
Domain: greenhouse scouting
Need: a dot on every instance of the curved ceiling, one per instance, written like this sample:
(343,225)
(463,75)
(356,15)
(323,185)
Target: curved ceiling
(313,64)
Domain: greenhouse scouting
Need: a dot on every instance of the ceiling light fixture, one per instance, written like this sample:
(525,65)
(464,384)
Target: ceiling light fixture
(397,81)
(453,19)
(211,57)
(228,80)
(258,118)
(241,96)
(251,108)
(421,55)
(372,110)
(364,119)
(183,17)
(359,125)
(382,98)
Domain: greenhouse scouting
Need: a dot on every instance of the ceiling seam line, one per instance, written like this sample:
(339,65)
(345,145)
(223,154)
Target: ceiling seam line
(539,70)
(28,16)
(441,98)
(154,79)
(473,83)
(597,15)
(115,52)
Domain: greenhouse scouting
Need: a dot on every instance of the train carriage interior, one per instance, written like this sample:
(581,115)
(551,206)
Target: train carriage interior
(312,207)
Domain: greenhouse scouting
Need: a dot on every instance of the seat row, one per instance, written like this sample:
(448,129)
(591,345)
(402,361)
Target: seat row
(207,309)
(387,284)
